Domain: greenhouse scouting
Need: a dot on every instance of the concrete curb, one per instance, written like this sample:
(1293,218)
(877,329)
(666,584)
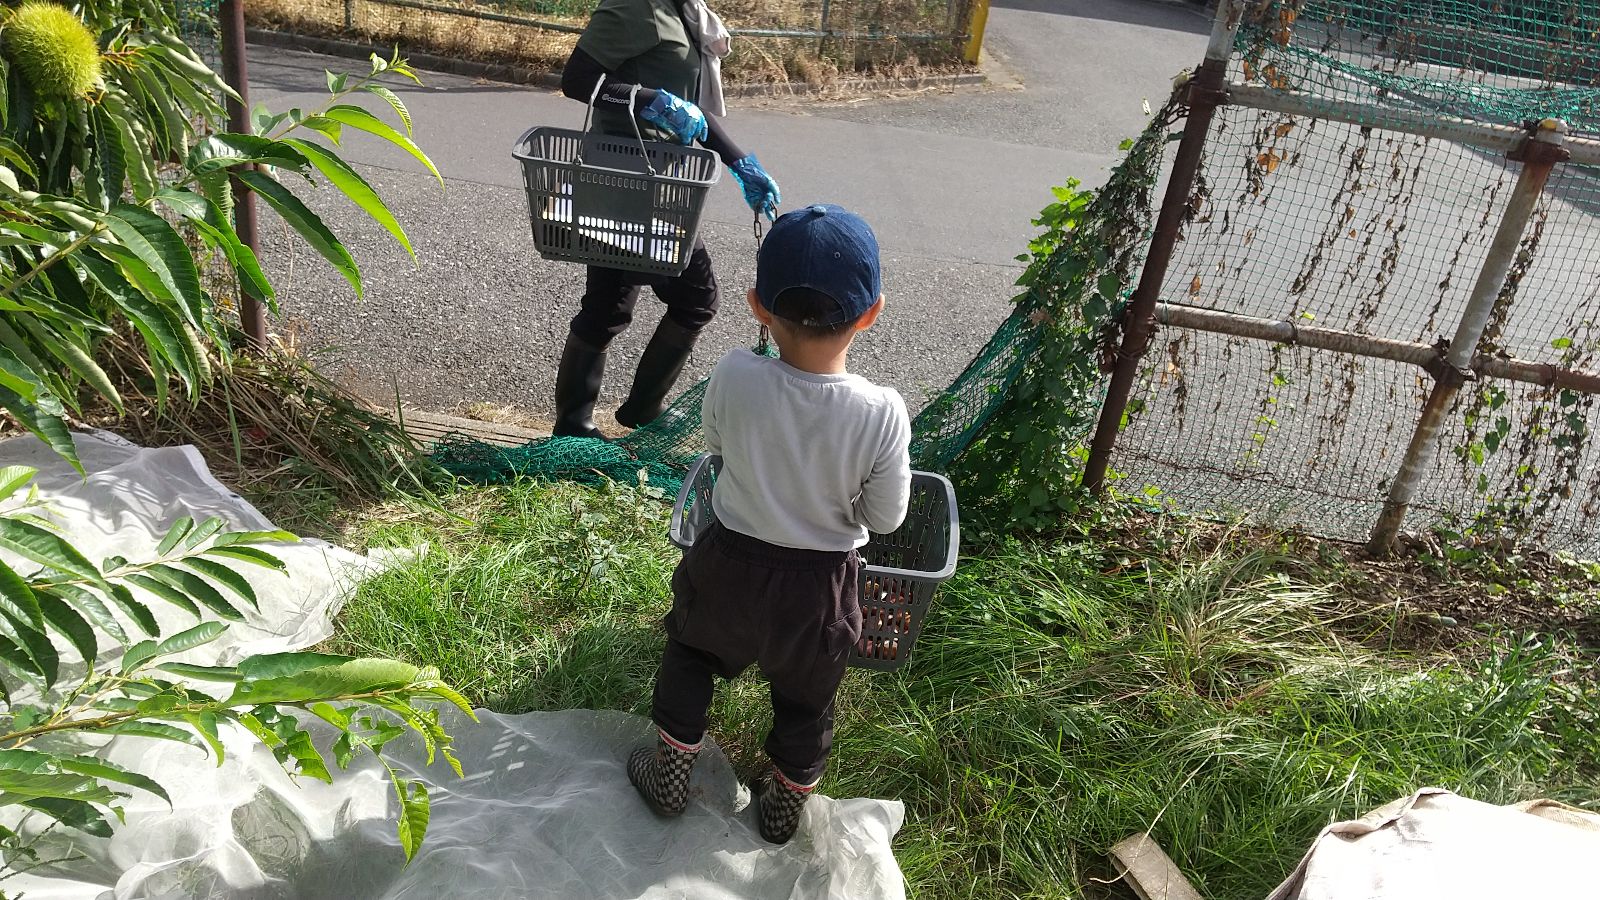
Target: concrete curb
(517,75)
(858,85)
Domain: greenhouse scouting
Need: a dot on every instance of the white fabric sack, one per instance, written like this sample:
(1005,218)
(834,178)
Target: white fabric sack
(1435,845)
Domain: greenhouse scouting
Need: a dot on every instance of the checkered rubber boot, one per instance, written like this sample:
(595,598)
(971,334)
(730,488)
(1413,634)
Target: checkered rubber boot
(778,803)
(661,774)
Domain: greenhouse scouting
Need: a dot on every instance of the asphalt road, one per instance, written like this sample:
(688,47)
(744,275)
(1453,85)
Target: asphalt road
(950,180)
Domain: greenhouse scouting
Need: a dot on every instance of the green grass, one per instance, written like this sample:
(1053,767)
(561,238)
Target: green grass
(1062,697)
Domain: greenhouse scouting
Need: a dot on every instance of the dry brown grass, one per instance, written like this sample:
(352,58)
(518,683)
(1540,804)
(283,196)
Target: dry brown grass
(419,30)
(498,414)
(275,429)
(809,61)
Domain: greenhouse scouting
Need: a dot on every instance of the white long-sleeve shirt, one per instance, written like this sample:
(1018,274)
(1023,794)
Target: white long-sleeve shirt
(808,461)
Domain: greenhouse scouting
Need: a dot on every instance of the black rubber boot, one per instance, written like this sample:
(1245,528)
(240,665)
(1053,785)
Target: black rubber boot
(778,802)
(659,368)
(577,388)
(661,774)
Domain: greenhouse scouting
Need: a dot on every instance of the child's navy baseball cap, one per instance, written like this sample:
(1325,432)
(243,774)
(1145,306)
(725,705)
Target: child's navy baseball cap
(827,249)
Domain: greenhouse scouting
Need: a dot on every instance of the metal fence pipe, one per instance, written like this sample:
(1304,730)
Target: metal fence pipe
(1543,374)
(1205,94)
(1278,331)
(1225,29)
(917,36)
(977,22)
(1536,167)
(235,71)
(1425,356)
(481,14)
(1539,155)
(1500,138)
(1484,135)
(563,28)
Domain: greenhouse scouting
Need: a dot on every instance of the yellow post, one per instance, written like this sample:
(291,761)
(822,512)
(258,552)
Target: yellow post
(975,25)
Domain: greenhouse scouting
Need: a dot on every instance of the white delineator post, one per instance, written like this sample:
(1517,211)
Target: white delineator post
(1539,154)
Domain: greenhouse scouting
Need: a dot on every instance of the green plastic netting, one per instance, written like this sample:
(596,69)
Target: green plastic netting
(1482,60)
(660,452)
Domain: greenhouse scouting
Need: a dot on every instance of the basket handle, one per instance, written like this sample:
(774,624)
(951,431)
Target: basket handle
(588,115)
(678,528)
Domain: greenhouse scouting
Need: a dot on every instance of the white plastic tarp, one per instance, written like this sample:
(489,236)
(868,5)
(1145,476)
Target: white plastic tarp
(545,809)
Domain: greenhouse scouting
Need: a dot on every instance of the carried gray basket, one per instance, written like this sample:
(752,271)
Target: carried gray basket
(611,201)
(901,571)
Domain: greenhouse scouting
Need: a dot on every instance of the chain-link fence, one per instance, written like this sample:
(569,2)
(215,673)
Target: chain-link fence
(200,28)
(790,40)
(1354,204)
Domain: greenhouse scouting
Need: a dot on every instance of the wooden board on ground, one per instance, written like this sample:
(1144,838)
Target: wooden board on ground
(427,428)
(1149,871)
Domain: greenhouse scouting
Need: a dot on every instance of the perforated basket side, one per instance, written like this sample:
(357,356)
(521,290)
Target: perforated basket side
(548,175)
(926,543)
(903,571)
(614,202)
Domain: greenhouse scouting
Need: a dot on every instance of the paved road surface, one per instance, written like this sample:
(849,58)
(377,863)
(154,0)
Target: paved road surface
(950,180)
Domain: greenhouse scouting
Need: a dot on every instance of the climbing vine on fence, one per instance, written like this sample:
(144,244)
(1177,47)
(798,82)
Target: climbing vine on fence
(1025,469)
(1546,433)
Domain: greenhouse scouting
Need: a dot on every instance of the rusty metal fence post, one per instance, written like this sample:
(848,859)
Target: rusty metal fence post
(1539,154)
(235,71)
(1205,95)
(822,27)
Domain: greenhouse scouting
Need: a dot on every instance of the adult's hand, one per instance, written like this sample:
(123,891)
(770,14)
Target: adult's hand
(760,189)
(682,119)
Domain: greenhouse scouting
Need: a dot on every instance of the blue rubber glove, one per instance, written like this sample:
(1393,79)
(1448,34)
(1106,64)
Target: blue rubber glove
(760,189)
(676,115)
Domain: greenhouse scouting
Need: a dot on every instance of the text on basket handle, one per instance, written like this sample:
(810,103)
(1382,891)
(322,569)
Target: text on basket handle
(588,115)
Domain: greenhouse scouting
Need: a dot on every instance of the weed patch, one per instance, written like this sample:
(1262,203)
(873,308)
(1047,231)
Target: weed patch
(302,449)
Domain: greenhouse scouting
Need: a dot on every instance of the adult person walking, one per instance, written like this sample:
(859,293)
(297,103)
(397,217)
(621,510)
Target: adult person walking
(659,61)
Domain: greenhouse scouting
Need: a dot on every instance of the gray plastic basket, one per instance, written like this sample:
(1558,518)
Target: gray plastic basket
(902,569)
(611,201)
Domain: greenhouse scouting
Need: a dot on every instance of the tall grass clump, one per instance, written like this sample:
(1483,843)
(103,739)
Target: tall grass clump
(1219,701)
(1229,699)
(532,596)
(284,435)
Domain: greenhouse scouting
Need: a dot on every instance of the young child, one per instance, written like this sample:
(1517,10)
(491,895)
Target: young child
(812,459)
